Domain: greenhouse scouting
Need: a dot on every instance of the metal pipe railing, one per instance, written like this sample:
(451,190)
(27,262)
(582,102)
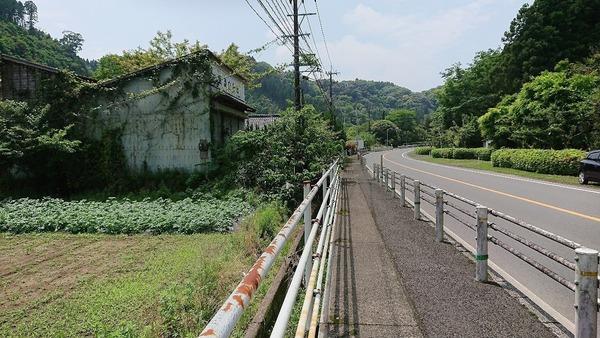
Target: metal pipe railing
(325,297)
(286,308)
(225,319)
(318,290)
(308,297)
(558,239)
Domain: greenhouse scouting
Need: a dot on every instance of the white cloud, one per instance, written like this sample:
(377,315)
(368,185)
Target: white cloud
(401,48)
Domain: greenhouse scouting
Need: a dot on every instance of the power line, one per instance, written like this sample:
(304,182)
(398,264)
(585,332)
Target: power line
(278,12)
(269,26)
(311,34)
(282,17)
(323,33)
(281,30)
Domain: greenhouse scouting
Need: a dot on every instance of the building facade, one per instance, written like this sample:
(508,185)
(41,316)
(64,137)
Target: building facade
(172,116)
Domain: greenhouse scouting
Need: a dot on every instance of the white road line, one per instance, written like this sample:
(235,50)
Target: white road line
(502,176)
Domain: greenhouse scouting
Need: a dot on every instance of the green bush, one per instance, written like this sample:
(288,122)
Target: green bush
(556,162)
(483,154)
(297,147)
(423,150)
(464,154)
(441,153)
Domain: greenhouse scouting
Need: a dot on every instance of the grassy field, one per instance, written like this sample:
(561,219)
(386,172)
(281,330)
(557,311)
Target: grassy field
(64,285)
(486,165)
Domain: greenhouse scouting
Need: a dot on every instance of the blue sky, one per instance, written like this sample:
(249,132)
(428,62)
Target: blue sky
(402,41)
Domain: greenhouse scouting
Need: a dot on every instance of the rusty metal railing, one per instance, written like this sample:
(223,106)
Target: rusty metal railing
(457,207)
(225,319)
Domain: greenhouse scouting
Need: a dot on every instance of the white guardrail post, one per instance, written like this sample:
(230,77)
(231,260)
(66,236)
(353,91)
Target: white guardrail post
(307,228)
(586,293)
(393,184)
(403,190)
(417,199)
(375,172)
(481,255)
(381,165)
(439,215)
(387,179)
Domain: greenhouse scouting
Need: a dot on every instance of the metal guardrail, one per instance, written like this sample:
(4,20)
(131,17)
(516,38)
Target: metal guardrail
(310,267)
(586,262)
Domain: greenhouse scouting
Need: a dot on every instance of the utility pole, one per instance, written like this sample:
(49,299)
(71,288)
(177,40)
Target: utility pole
(331,74)
(298,103)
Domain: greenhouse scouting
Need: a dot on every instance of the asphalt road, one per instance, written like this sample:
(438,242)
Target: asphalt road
(570,211)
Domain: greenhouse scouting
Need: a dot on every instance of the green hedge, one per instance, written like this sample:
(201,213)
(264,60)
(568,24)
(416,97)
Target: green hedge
(483,154)
(423,150)
(441,153)
(557,162)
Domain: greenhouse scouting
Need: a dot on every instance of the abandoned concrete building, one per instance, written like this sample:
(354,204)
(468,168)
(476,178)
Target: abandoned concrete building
(172,115)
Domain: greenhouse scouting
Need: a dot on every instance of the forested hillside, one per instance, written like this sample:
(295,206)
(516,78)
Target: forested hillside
(20,38)
(356,101)
(540,89)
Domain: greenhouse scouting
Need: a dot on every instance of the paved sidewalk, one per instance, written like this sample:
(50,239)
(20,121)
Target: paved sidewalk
(367,296)
(391,279)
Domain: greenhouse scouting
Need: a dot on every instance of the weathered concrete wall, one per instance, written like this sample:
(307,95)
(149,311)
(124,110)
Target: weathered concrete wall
(169,120)
(157,131)
(229,83)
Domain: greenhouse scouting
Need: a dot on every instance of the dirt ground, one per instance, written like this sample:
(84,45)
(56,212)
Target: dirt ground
(38,268)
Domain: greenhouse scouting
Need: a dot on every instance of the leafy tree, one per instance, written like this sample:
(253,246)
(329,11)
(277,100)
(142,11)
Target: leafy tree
(244,65)
(26,134)
(547,32)
(295,148)
(386,132)
(555,110)
(409,130)
(539,37)
(72,42)
(37,46)
(31,12)
(161,49)
(467,93)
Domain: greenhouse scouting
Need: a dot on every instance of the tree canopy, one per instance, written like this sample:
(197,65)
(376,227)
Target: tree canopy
(162,48)
(20,38)
(542,35)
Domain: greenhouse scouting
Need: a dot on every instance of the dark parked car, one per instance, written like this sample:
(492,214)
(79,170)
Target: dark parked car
(589,169)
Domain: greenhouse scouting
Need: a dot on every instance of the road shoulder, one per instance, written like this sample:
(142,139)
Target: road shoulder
(439,280)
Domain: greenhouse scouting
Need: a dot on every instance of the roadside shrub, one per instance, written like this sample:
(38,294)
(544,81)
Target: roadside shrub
(556,162)
(199,213)
(464,154)
(423,150)
(441,153)
(483,154)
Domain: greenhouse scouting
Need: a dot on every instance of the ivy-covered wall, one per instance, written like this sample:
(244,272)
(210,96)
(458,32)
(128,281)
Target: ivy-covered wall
(165,118)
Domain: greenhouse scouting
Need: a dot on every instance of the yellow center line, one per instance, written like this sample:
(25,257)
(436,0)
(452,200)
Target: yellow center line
(566,211)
